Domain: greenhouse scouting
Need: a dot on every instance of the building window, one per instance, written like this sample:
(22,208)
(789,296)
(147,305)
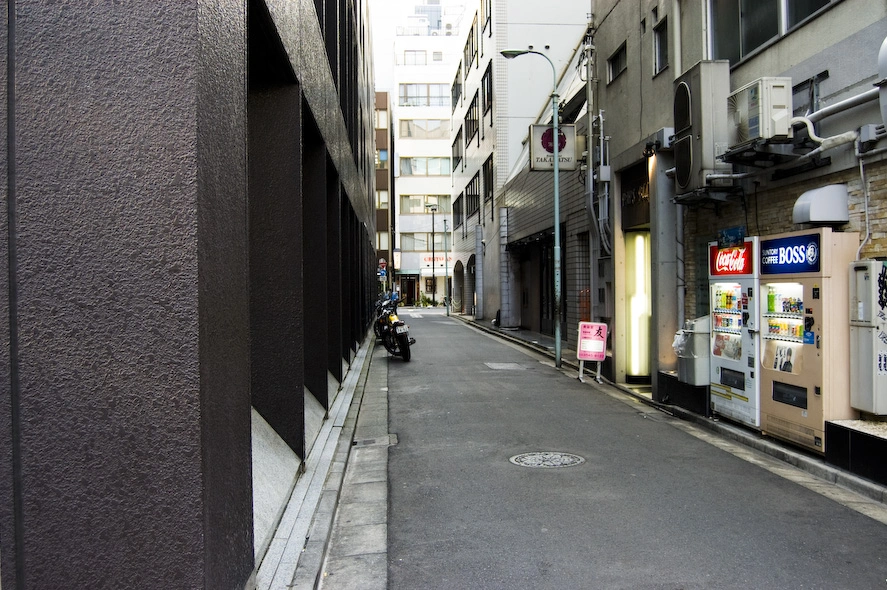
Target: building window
(617,63)
(424,128)
(442,241)
(415,204)
(458,149)
(660,46)
(381,199)
(437,56)
(472,196)
(423,95)
(421,242)
(739,27)
(471,120)
(381,159)
(800,10)
(381,119)
(414,242)
(442,202)
(412,204)
(456,90)
(458,214)
(486,14)
(486,86)
(414,58)
(424,166)
(381,240)
(471,45)
(488,179)
(806,95)
(488,186)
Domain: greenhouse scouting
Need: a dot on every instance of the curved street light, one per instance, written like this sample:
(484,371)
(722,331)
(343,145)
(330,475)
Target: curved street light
(511,54)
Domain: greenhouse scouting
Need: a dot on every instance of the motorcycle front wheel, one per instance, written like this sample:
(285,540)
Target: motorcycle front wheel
(403,343)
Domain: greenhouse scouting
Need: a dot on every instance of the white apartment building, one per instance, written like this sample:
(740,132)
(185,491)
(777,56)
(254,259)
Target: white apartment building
(426,45)
(494,103)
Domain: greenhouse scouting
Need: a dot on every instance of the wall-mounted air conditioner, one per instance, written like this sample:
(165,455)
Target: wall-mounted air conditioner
(760,110)
(700,124)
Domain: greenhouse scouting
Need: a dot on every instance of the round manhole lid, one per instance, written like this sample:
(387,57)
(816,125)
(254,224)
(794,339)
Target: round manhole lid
(547,459)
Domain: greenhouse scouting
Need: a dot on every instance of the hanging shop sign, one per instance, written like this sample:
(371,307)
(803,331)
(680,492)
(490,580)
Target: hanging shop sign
(542,147)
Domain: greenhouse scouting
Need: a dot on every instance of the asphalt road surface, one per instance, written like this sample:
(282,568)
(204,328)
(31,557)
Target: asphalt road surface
(651,506)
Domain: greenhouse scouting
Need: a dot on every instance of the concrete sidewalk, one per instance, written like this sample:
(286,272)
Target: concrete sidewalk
(348,542)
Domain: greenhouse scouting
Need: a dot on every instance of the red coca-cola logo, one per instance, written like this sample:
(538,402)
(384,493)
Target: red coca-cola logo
(730,261)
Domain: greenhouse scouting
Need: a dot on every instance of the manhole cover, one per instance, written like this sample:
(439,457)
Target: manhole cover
(547,460)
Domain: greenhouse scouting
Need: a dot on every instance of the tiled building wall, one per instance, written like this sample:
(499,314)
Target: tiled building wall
(770,212)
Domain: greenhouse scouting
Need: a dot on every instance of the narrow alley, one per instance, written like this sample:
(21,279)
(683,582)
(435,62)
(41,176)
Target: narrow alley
(504,472)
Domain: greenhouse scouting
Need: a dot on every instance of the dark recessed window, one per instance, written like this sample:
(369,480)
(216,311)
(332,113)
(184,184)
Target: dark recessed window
(617,63)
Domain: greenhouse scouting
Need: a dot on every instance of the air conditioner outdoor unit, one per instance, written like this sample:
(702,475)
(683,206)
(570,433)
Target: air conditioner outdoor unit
(700,125)
(760,110)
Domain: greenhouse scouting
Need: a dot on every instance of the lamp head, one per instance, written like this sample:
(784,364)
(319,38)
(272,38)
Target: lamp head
(513,53)
(651,147)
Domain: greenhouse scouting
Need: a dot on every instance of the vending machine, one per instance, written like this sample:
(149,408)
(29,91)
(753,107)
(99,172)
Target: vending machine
(733,277)
(805,334)
(868,336)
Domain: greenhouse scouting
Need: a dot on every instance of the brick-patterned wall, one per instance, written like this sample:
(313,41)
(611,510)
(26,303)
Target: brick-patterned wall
(770,212)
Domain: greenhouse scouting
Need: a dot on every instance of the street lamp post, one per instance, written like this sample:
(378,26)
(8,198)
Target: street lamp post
(432,207)
(511,54)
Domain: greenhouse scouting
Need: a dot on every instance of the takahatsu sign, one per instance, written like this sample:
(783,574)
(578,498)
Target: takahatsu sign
(790,255)
(735,260)
(542,147)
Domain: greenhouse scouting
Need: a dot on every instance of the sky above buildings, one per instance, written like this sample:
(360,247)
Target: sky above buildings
(384,15)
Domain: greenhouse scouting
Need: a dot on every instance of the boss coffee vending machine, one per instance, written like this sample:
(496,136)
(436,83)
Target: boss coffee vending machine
(805,334)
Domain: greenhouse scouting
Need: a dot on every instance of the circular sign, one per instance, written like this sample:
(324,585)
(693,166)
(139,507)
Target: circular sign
(812,253)
(548,140)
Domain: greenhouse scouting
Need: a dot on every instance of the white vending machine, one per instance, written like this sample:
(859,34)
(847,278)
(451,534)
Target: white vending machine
(868,336)
(733,278)
(805,365)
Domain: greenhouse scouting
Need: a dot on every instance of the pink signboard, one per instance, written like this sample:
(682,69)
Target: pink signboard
(592,342)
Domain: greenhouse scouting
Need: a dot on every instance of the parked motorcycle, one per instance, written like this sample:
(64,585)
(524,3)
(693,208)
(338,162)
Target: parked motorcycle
(395,334)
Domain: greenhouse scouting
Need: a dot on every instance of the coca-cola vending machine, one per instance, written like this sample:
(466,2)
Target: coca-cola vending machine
(735,341)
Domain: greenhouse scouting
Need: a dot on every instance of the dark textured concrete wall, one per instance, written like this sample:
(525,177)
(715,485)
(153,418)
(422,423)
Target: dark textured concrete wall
(276,273)
(223,282)
(314,244)
(8,398)
(129,384)
(135,234)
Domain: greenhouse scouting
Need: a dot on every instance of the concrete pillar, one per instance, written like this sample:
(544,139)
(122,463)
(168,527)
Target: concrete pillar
(125,409)
(664,272)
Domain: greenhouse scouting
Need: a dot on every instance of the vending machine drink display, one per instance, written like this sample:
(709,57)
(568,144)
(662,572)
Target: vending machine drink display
(805,361)
(735,342)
